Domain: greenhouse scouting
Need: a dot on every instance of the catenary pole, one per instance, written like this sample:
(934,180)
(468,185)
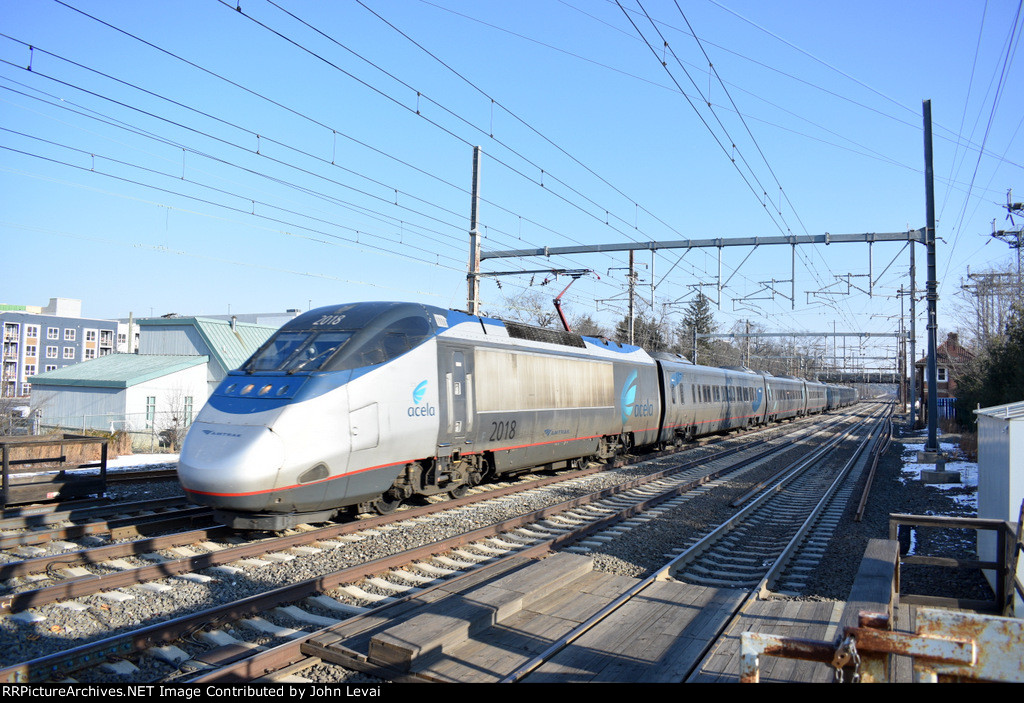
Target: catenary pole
(473,301)
(932,284)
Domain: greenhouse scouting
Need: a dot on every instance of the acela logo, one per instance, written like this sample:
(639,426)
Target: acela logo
(419,392)
(758,398)
(417,410)
(630,408)
(628,397)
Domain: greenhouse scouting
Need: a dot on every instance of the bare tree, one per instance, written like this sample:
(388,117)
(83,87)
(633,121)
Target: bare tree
(177,418)
(531,308)
(983,305)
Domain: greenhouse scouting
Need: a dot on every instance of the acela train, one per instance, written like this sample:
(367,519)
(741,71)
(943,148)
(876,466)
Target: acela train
(369,404)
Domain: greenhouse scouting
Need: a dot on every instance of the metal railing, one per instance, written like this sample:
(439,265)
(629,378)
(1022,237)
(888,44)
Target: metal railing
(160,431)
(1005,565)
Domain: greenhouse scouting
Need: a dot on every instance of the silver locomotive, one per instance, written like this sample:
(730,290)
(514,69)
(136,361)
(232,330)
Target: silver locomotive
(365,405)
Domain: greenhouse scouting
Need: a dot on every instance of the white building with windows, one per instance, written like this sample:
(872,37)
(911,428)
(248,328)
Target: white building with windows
(138,393)
(160,389)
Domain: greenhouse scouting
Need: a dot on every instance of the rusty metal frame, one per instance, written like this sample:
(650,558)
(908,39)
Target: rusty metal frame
(947,646)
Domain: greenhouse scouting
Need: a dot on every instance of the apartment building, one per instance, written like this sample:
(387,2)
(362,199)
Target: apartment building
(38,339)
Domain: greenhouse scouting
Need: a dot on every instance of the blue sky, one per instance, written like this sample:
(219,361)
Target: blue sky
(191,158)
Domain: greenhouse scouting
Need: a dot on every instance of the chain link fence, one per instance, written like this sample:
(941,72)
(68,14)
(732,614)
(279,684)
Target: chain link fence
(149,433)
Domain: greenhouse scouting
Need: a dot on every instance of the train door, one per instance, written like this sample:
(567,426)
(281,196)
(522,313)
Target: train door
(458,397)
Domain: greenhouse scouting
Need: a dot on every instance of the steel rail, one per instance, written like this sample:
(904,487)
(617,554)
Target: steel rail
(289,654)
(880,449)
(47,515)
(783,559)
(521,672)
(87,585)
(140,639)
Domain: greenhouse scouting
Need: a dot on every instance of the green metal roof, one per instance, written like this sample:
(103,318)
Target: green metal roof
(231,347)
(117,370)
(236,345)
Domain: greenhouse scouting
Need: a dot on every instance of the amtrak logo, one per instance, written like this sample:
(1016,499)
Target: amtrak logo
(757,399)
(215,433)
(419,392)
(628,397)
(417,410)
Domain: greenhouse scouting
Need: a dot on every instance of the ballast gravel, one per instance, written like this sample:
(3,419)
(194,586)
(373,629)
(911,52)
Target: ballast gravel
(647,546)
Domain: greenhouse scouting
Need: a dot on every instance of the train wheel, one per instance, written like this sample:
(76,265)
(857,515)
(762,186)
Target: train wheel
(386,504)
(459,491)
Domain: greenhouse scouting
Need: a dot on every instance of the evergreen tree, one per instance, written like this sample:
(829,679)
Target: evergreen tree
(647,333)
(698,319)
(588,326)
(996,375)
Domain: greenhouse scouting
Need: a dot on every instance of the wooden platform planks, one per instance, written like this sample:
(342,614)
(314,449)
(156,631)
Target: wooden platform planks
(485,627)
(656,637)
(817,620)
(348,643)
(488,656)
(823,621)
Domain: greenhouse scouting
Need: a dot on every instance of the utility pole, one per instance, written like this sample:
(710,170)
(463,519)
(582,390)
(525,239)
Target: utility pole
(1012,236)
(473,298)
(913,338)
(746,361)
(632,292)
(931,451)
(932,445)
(994,293)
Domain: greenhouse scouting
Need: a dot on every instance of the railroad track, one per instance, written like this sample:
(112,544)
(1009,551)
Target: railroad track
(544,529)
(740,552)
(748,554)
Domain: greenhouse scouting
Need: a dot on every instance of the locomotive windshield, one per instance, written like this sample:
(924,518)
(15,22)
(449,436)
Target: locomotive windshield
(298,350)
(342,339)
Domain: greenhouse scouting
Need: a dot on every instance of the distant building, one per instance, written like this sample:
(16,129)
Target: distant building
(142,393)
(269,319)
(227,343)
(41,339)
(156,392)
(951,359)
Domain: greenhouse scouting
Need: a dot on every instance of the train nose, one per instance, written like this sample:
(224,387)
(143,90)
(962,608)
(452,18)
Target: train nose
(230,459)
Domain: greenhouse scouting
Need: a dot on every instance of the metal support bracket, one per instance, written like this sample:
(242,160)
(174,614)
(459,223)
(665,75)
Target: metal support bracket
(948,645)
